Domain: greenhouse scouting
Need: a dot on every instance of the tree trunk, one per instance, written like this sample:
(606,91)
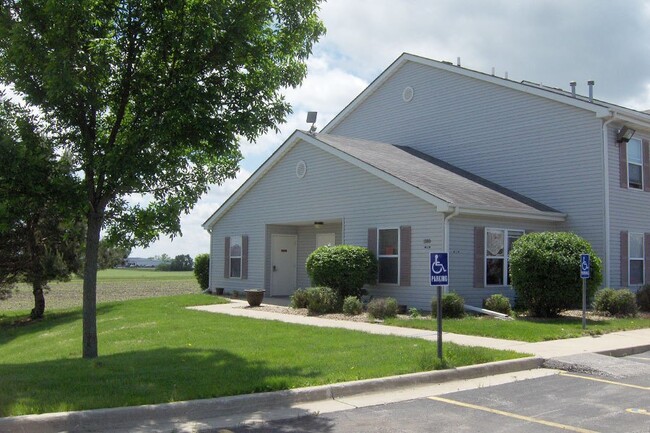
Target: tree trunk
(95,220)
(39,300)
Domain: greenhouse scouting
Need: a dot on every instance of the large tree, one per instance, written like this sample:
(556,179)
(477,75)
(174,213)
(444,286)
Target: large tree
(40,207)
(152,98)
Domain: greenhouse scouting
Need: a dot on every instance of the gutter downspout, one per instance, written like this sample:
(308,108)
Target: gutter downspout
(445,233)
(607,207)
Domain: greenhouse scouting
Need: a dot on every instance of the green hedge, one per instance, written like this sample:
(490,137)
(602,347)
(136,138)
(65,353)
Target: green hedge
(202,270)
(344,268)
(545,271)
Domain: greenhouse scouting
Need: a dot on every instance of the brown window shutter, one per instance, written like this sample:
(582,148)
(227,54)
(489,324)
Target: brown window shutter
(646,165)
(624,264)
(226,258)
(405,255)
(646,253)
(372,240)
(372,245)
(244,257)
(479,257)
(622,157)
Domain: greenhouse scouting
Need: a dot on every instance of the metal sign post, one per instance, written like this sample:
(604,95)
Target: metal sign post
(439,277)
(585,266)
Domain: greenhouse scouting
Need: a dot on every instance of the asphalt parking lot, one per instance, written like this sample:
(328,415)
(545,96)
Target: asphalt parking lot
(565,401)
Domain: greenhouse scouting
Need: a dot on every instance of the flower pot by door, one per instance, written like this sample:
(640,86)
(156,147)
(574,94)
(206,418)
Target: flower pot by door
(254,297)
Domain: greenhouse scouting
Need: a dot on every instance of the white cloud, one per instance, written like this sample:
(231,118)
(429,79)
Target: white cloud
(327,89)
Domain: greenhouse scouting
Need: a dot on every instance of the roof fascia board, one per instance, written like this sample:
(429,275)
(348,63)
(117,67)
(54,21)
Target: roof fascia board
(252,180)
(599,110)
(533,215)
(440,204)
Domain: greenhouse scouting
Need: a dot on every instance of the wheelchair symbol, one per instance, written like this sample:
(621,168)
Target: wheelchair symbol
(585,265)
(437,267)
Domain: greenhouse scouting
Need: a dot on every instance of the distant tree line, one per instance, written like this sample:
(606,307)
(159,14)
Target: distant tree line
(181,262)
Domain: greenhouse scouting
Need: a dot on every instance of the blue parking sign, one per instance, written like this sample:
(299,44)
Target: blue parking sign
(585,265)
(439,269)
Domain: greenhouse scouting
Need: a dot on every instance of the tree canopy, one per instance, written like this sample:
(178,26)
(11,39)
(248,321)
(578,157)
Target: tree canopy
(151,98)
(40,207)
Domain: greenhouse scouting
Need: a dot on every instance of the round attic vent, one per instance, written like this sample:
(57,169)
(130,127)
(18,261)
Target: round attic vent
(301,169)
(407,94)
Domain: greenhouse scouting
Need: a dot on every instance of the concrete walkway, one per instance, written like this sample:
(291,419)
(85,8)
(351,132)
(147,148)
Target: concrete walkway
(615,342)
(213,414)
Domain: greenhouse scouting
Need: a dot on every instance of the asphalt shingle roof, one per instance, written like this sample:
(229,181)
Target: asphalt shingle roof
(434,176)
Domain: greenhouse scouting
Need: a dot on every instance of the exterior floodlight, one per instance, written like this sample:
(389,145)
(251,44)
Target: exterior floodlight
(311,118)
(624,134)
(318,224)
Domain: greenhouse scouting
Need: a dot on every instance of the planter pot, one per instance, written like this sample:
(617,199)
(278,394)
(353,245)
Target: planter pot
(254,297)
(219,291)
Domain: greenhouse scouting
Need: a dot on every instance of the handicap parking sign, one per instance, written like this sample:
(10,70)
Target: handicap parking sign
(584,265)
(439,269)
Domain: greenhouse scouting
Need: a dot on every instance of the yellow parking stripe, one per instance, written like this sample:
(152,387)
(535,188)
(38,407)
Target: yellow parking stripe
(611,382)
(639,411)
(513,415)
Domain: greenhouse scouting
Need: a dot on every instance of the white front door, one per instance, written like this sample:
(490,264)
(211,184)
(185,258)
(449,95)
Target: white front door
(325,239)
(283,264)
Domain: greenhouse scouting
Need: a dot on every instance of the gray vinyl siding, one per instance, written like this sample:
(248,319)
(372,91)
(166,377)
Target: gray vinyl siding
(543,149)
(629,208)
(332,190)
(461,254)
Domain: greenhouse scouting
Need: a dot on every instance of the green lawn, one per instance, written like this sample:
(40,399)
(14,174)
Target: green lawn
(530,330)
(155,350)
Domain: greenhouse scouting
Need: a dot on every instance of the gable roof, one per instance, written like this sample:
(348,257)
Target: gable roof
(452,185)
(601,109)
(446,187)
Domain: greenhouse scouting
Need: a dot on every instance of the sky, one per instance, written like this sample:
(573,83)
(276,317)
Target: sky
(551,42)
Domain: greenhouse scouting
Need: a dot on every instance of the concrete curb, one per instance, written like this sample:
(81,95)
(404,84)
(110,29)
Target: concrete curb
(100,419)
(626,351)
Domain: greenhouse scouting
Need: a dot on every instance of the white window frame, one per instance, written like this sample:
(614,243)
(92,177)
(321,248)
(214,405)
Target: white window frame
(639,164)
(505,257)
(235,240)
(630,259)
(390,256)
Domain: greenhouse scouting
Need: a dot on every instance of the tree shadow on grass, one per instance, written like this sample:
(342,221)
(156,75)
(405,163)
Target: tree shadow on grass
(13,326)
(136,378)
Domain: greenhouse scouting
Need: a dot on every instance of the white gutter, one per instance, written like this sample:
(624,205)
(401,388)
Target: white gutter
(607,216)
(445,236)
(445,233)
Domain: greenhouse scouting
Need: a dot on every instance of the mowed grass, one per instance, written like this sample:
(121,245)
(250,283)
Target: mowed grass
(526,329)
(112,285)
(155,351)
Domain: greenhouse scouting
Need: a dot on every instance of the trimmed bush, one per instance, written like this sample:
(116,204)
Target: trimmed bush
(352,306)
(643,298)
(545,271)
(299,299)
(620,302)
(202,270)
(452,306)
(344,268)
(382,308)
(322,300)
(498,303)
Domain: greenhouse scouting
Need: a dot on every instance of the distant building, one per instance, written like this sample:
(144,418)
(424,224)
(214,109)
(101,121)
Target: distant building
(139,262)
